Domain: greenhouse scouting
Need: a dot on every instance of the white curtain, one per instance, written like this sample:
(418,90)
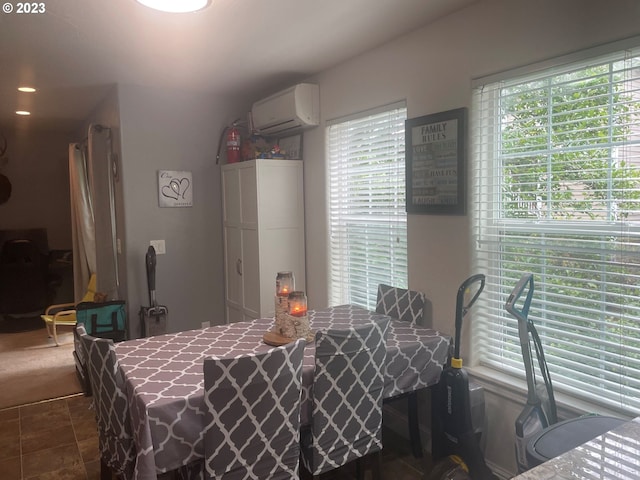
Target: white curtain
(82,220)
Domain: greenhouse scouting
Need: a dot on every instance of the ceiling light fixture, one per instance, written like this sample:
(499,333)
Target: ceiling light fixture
(27,89)
(176,6)
(22,112)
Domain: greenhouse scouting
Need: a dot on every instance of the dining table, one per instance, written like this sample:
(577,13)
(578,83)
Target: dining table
(164,380)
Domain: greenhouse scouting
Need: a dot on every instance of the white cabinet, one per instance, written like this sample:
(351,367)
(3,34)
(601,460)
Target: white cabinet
(263,215)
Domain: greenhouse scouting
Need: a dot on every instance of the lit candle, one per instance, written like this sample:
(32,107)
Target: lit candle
(284,284)
(297,304)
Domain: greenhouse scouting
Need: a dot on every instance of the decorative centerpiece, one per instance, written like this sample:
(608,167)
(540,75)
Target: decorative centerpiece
(296,321)
(291,319)
(284,286)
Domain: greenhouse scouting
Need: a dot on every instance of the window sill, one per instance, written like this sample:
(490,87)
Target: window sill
(515,389)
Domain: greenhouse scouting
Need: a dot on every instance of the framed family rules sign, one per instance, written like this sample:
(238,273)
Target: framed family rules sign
(435,163)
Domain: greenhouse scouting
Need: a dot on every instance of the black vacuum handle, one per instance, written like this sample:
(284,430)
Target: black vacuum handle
(150,258)
(461,308)
(463,288)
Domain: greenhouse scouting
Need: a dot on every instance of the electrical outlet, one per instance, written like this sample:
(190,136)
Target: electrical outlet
(158,246)
(205,324)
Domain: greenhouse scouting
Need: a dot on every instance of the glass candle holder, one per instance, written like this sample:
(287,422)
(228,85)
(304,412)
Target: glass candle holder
(284,284)
(297,304)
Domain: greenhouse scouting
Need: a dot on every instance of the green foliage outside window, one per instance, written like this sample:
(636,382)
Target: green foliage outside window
(561,148)
(569,147)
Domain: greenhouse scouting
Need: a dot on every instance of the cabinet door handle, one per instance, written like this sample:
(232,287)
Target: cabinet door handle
(239,266)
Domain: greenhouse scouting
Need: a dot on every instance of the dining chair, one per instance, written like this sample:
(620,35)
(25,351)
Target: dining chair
(80,360)
(252,418)
(407,306)
(115,434)
(348,386)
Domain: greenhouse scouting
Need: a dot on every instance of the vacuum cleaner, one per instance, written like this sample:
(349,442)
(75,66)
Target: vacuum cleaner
(455,439)
(540,410)
(539,435)
(153,319)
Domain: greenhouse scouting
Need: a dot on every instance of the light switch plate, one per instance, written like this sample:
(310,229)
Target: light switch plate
(158,246)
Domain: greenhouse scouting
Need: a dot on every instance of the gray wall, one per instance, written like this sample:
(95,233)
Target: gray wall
(432,69)
(173,130)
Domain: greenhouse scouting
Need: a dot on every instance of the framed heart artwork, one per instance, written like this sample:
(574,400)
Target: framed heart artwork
(175,189)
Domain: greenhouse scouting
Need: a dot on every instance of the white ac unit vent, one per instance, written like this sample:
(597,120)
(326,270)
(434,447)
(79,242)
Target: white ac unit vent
(288,111)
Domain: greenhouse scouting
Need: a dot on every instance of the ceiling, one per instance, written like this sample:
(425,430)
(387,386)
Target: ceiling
(77,49)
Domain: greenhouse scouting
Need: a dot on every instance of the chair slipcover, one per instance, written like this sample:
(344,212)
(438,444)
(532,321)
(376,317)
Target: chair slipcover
(252,424)
(117,450)
(407,306)
(400,303)
(348,386)
(80,360)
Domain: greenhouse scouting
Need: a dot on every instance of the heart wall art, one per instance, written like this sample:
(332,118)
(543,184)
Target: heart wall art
(175,189)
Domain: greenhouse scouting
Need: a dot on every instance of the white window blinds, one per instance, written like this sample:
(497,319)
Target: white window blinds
(367,219)
(556,156)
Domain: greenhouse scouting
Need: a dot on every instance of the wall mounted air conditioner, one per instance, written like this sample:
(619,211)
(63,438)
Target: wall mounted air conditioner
(288,111)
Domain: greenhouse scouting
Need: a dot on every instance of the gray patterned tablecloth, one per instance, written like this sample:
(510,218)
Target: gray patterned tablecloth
(164,377)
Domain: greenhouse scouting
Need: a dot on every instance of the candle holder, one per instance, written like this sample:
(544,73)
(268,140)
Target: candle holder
(296,321)
(284,285)
(291,319)
(282,305)
(297,304)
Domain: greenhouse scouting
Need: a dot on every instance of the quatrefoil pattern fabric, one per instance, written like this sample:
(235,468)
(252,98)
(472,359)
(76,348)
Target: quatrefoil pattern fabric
(165,383)
(348,386)
(78,349)
(115,437)
(252,422)
(400,303)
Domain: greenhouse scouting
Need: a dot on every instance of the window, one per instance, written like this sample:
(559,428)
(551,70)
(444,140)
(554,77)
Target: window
(557,193)
(367,219)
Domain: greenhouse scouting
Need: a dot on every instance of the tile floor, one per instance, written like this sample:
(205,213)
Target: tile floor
(57,440)
(49,440)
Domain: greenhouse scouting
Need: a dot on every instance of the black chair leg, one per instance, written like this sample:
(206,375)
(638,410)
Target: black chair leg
(376,466)
(105,471)
(375,461)
(360,468)
(414,425)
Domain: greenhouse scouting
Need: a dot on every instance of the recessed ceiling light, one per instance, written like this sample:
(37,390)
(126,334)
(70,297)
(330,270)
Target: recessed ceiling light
(22,112)
(27,89)
(176,6)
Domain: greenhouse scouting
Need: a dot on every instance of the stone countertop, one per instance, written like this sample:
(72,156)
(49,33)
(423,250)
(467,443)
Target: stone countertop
(613,455)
